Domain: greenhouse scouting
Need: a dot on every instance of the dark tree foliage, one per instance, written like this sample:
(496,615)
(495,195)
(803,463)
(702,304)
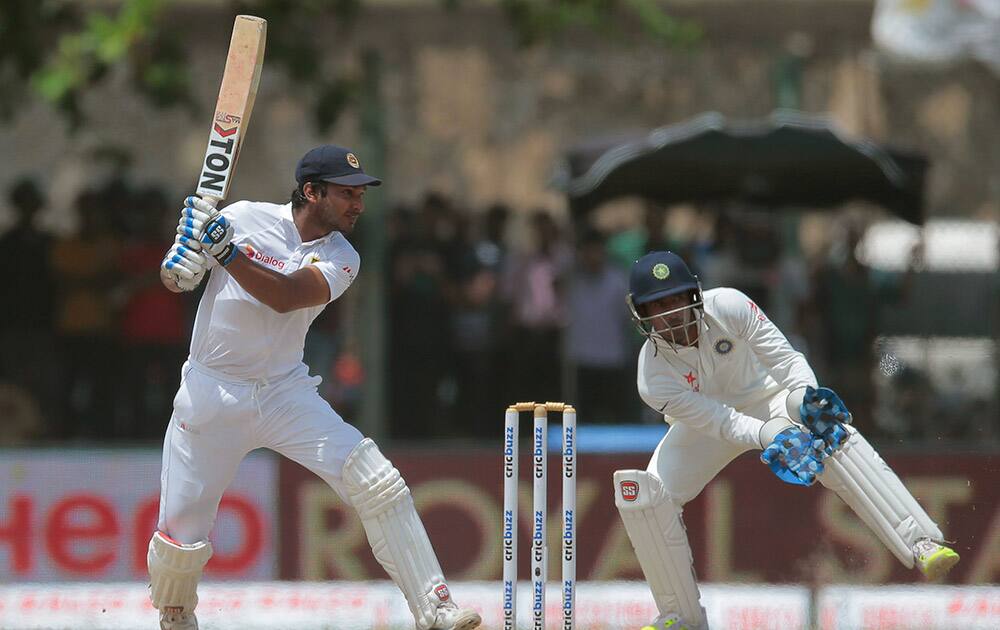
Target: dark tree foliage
(57,50)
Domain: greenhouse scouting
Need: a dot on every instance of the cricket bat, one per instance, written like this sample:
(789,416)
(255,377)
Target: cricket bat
(232,111)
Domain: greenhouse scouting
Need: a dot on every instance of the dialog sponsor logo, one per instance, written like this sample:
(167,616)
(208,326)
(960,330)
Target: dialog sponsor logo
(265,259)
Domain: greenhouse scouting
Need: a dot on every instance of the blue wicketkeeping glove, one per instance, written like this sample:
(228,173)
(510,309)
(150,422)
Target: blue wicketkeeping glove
(824,414)
(795,456)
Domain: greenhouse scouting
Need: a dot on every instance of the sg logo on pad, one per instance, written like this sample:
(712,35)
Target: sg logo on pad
(442,592)
(630,490)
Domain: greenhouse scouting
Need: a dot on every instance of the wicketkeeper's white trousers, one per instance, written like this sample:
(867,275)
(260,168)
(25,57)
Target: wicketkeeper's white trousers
(685,460)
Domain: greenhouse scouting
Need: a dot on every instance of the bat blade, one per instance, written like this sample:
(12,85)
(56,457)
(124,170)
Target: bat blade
(233,109)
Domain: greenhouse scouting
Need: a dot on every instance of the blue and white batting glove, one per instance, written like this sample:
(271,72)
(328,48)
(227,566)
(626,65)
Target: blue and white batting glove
(213,232)
(184,265)
(795,456)
(825,414)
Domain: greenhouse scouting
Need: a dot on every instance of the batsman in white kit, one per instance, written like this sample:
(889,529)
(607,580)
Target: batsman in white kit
(244,386)
(727,381)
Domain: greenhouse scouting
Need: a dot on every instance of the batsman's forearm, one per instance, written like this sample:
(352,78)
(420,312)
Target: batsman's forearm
(267,285)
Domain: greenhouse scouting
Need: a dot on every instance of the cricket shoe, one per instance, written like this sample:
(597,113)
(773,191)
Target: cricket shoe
(934,559)
(668,622)
(172,620)
(451,617)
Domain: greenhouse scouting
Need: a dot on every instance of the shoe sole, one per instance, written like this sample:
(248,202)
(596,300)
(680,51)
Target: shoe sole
(469,623)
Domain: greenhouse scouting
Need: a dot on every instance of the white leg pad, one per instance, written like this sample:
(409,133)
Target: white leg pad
(174,572)
(395,532)
(866,483)
(653,523)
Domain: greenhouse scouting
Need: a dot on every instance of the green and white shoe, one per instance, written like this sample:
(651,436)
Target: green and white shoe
(934,559)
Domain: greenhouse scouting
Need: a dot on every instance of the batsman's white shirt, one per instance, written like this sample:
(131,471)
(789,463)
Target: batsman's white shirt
(234,333)
(244,385)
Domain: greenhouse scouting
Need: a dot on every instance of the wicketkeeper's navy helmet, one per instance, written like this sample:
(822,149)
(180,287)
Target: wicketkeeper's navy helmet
(658,275)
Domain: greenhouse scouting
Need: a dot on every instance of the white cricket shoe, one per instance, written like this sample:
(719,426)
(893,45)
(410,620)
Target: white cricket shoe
(668,622)
(934,559)
(451,617)
(172,620)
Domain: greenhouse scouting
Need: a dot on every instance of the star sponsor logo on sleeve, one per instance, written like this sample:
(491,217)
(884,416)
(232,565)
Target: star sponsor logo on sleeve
(692,380)
(756,311)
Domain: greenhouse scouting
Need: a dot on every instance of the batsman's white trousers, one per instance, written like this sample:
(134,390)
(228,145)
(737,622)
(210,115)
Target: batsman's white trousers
(218,420)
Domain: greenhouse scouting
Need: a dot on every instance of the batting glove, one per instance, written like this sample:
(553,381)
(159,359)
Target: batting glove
(185,266)
(201,222)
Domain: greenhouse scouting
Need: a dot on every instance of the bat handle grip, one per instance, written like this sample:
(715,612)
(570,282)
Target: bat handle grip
(212,199)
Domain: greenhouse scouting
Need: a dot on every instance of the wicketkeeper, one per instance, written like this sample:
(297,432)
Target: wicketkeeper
(728,381)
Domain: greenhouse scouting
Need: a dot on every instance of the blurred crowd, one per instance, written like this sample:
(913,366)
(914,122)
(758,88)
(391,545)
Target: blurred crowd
(92,343)
(484,307)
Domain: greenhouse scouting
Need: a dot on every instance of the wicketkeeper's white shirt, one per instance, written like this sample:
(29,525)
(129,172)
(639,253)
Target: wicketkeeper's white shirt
(741,360)
(239,336)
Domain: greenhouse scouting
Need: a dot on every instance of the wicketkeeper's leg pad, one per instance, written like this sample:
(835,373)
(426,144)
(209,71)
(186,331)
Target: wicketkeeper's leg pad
(397,536)
(654,526)
(174,572)
(866,483)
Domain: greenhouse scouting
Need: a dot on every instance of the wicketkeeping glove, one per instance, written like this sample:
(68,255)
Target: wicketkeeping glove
(185,265)
(201,222)
(824,414)
(795,456)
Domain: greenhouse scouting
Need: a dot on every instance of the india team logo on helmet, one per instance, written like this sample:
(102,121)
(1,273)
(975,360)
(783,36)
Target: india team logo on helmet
(661,271)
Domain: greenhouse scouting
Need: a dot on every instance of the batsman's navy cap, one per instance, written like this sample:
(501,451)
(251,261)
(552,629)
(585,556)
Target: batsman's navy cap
(330,163)
(659,274)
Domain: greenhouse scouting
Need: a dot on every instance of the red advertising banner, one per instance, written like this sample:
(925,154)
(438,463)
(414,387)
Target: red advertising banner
(87,515)
(746,526)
